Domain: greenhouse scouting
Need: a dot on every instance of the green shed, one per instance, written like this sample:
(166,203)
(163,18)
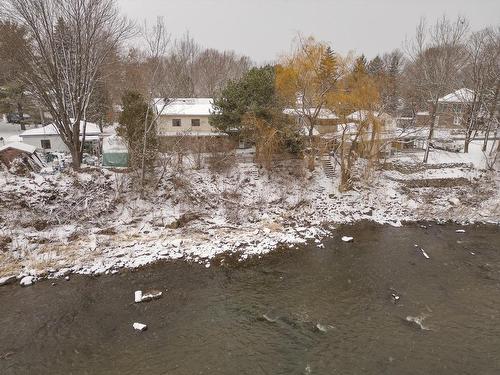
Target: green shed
(114,152)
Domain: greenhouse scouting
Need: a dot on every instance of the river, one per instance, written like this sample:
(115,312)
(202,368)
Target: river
(307,310)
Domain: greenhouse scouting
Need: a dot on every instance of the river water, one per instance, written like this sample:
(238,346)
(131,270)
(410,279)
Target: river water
(298,311)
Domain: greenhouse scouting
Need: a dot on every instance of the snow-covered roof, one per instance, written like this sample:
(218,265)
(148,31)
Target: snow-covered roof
(51,129)
(192,133)
(361,115)
(463,95)
(185,107)
(19,146)
(13,138)
(324,113)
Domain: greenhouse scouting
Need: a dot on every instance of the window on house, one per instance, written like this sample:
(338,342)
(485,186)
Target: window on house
(176,122)
(195,122)
(45,143)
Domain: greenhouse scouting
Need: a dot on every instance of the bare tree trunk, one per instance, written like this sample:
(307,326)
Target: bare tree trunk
(431,133)
(312,155)
(490,117)
(75,156)
(21,115)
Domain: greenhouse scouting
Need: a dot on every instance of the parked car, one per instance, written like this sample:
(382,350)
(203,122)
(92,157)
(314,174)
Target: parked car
(446,145)
(15,118)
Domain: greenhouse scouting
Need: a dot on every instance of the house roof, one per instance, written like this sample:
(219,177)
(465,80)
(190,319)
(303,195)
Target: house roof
(19,146)
(361,115)
(324,113)
(462,95)
(185,107)
(192,133)
(51,129)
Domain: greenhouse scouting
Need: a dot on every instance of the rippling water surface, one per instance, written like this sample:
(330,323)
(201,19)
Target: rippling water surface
(332,310)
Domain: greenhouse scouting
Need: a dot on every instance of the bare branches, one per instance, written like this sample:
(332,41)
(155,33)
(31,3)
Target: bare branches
(436,55)
(69,43)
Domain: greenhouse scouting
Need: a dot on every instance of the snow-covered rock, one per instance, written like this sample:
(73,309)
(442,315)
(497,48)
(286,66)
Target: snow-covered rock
(27,280)
(140,326)
(347,239)
(460,231)
(7,280)
(454,201)
(151,296)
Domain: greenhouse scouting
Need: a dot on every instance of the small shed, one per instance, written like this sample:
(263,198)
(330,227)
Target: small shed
(23,152)
(114,152)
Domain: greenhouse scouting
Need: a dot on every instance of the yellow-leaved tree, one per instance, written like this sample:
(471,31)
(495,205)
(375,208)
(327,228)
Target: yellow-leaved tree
(356,94)
(304,79)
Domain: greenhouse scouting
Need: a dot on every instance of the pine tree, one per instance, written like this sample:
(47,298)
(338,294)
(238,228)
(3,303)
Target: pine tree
(131,128)
(376,67)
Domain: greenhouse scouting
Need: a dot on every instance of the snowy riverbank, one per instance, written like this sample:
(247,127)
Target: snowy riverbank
(93,223)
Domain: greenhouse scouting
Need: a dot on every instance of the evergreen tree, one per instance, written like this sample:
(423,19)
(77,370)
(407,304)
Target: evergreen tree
(12,90)
(376,67)
(131,128)
(253,93)
(360,65)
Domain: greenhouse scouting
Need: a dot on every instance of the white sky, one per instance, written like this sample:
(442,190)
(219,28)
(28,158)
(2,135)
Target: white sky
(264,29)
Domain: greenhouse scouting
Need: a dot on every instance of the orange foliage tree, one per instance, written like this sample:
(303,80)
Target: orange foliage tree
(357,92)
(304,79)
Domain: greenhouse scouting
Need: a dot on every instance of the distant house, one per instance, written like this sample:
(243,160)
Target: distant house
(185,116)
(451,112)
(326,120)
(47,137)
(453,108)
(387,122)
(383,135)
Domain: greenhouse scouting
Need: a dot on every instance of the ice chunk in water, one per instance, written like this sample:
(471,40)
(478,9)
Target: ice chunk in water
(138,296)
(140,326)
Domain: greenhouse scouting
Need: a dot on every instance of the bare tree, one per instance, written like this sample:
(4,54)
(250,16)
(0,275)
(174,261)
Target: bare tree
(159,89)
(491,98)
(213,69)
(70,40)
(436,55)
(181,61)
(305,79)
(482,77)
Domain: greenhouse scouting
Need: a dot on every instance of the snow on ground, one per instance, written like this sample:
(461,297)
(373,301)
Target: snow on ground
(93,222)
(475,156)
(10,132)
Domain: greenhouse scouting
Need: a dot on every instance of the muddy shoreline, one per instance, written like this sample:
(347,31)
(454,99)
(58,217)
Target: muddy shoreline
(327,308)
(315,237)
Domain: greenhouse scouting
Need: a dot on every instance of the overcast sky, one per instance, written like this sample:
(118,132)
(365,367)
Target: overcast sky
(264,29)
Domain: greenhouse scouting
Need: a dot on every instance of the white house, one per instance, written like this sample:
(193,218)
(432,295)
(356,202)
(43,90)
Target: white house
(326,119)
(387,122)
(185,116)
(47,138)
